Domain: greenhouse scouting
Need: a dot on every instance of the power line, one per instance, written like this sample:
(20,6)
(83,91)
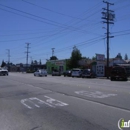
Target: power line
(121,31)
(78,44)
(50,10)
(51,22)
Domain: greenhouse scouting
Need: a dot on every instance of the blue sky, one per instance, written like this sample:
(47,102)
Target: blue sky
(61,24)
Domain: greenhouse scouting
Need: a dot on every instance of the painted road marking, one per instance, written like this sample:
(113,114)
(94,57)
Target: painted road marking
(94,94)
(30,103)
(55,102)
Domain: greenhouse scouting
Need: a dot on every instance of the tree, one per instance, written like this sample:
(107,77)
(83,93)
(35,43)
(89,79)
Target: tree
(40,62)
(32,62)
(3,64)
(35,62)
(119,56)
(53,58)
(75,57)
(68,64)
(126,57)
(94,58)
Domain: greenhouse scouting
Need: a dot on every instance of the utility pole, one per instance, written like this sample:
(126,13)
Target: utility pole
(27,54)
(108,16)
(52,51)
(8,53)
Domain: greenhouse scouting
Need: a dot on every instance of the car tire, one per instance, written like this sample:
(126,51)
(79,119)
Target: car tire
(112,79)
(125,79)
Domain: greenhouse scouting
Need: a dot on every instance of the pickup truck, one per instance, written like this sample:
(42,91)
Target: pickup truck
(3,71)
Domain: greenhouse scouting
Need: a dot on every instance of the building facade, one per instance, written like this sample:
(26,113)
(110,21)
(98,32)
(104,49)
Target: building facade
(59,65)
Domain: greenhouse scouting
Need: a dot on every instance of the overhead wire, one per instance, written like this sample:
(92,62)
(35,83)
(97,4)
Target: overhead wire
(78,44)
(51,22)
(50,10)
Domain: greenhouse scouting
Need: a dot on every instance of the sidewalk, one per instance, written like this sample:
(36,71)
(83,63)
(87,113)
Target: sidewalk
(109,78)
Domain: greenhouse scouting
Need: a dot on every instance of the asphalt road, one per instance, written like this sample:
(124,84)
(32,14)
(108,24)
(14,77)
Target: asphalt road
(62,103)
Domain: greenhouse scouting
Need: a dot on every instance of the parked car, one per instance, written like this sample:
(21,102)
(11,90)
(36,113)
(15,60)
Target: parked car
(76,73)
(88,73)
(3,71)
(40,72)
(119,73)
(67,73)
(56,73)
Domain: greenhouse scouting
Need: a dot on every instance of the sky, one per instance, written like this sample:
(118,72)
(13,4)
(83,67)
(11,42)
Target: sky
(61,24)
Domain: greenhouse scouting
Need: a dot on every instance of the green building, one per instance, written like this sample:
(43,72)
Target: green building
(59,65)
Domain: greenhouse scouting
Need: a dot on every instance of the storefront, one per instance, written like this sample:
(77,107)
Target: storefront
(59,65)
(100,66)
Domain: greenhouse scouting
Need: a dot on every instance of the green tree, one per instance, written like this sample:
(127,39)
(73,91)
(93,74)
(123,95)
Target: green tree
(119,56)
(75,57)
(68,66)
(94,58)
(53,58)
(126,57)
(35,62)
(3,64)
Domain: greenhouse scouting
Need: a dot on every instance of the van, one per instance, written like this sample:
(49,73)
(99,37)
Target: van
(119,73)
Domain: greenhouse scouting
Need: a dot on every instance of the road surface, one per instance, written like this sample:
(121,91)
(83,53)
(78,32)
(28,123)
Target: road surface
(62,103)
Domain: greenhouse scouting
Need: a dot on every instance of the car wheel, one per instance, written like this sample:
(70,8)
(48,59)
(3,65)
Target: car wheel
(112,79)
(34,75)
(125,79)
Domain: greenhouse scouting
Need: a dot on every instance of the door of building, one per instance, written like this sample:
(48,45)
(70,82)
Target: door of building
(100,71)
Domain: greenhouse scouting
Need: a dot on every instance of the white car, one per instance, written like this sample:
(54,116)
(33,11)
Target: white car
(76,73)
(41,72)
(3,71)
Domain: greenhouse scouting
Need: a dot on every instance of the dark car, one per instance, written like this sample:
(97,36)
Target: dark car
(56,73)
(67,73)
(88,73)
(119,73)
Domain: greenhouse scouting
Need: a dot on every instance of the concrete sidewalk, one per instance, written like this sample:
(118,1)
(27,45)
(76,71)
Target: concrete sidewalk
(109,78)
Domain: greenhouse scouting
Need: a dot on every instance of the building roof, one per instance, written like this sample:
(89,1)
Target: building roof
(128,61)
